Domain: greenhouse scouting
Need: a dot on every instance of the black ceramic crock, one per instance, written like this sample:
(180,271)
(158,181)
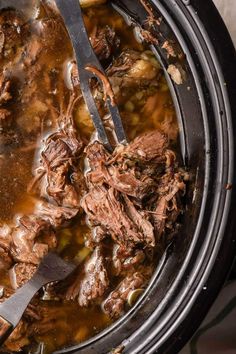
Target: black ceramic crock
(196,265)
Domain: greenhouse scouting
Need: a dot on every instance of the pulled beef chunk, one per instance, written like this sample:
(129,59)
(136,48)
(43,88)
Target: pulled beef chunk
(126,169)
(143,169)
(4,117)
(168,205)
(141,222)
(5,236)
(93,282)
(148,147)
(96,236)
(106,209)
(105,42)
(5,259)
(21,273)
(114,305)
(103,170)
(12,33)
(59,163)
(19,337)
(5,243)
(124,259)
(5,94)
(25,247)
(132,69)
(135,214)
(56,215)
(159,217)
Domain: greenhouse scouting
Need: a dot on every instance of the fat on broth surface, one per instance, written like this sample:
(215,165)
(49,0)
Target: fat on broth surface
(34,107)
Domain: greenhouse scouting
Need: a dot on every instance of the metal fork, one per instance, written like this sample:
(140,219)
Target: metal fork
(89,67)
(52,268)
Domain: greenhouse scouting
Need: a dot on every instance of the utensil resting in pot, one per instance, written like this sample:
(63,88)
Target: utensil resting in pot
(51,269)
(89,67)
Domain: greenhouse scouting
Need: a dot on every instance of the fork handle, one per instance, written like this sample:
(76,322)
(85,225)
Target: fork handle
(5,329)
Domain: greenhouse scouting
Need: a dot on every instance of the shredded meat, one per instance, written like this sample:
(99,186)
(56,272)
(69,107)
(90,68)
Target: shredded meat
(148,147)
(105,42)
(56,215)
(5,94)
(122,170)
(12,33)
(124,260)
(94,281)
(25,247)
(114,305)
(104,207)
(21,273)
(130,70)
(59,163)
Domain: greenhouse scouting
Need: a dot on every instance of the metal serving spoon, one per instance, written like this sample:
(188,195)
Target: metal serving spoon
(89,67)
(51,269)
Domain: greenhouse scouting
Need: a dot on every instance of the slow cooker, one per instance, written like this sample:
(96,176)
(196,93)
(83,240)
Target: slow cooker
(196,264)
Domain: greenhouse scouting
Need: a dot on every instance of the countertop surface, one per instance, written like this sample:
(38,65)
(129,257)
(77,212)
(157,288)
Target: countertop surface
(227,9)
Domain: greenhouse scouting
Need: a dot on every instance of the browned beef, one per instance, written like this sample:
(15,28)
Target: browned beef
(5,94)
(59,164)
(32,51)
(92,283)
(5,259)
(124,259)
(106,209)
(114,174)
(114,305)
(57,216)
(134,196)
(5,236)
(21,273)
(5,114)
(96,236)
(12,32)
(142,224)
(25,246)
(4,117)
(105,42)
(159,217)
(5,243)
(148,147)
(129,169)
(171,188)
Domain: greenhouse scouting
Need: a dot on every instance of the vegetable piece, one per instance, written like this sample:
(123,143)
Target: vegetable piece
(82,255)
(133,296)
